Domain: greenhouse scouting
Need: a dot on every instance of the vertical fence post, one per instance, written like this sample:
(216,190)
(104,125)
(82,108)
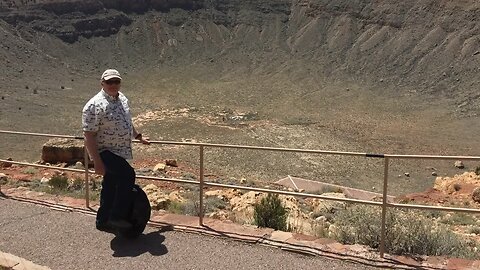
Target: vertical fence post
(384,207)
(200,209)
(87,182)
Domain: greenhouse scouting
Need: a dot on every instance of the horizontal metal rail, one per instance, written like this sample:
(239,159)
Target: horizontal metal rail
(264,190)
(40,134)
(211,184)
(278,149)
(384,204)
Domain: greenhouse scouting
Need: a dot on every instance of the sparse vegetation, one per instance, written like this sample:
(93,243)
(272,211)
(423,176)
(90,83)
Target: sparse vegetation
(270,213)
(58,182)
(459,219)
(408,232)
(474,230)
(319,229)
(191,207)
(30,170)
(477,170)
(328,189)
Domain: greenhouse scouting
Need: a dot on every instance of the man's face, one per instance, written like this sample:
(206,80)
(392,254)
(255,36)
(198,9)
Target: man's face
(111,86)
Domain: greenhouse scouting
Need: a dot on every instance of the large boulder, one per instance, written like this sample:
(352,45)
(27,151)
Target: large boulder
(476,195)
(63,151)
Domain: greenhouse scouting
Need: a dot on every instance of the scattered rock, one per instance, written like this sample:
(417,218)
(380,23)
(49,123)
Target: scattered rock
(221,214)
(79,165)
(3,178)
(459,164)
(63,151)
(6,164)
(176,197)
(449,185)
(434,173)
(160,167)
(476,195)
(223,194)
(328,206)
(407,174)
(171,162)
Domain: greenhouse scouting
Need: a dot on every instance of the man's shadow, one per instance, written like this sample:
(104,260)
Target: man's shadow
(151,243)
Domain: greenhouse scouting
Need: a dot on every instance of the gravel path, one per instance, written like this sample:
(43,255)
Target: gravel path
(65,240)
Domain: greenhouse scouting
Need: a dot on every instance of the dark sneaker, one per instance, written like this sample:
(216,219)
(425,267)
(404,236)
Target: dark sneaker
(119,224)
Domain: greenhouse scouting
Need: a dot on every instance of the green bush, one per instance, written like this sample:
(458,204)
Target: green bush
(77,184)
(477,170)
(270,213)
(30,170)
(58,182)
(474,230)
(459,219)
(407,232)
(176,207)
(192,207)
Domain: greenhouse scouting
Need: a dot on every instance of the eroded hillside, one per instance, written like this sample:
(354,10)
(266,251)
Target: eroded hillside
(373,76)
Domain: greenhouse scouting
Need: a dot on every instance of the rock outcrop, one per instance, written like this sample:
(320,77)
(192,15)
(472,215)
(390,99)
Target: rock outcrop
(69,20)
(63,151)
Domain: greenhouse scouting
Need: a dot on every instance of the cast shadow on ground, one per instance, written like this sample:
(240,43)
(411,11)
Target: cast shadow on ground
(151,242)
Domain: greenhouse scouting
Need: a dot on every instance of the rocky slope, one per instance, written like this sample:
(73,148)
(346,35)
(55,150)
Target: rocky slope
(425,45)
(369,76)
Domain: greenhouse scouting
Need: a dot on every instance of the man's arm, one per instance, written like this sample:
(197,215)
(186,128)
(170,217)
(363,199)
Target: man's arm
(91,144)
(141,138)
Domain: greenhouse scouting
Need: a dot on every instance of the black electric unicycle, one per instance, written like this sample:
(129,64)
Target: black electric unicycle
(139,213)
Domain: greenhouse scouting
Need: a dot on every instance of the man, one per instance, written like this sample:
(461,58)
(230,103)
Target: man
(108,131)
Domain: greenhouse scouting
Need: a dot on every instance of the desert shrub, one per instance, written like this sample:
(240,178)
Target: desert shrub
(474,230)
(407,232)
(476,195)
(77,184)
(58,182)
(213,203)
(477,170)
(191,207)
(270,213)
(319,229)
(459,219)
(176,207)
(328,189)
(30,170)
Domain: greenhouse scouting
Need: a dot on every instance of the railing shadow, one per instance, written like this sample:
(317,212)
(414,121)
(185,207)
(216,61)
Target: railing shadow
(397,264)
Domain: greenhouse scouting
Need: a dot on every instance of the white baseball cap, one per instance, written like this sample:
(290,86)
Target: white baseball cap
(110,74)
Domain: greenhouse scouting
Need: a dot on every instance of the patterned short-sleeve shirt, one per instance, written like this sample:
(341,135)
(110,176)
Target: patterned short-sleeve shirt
(110,118)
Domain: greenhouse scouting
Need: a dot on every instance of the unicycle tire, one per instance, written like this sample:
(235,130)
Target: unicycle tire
(139,213)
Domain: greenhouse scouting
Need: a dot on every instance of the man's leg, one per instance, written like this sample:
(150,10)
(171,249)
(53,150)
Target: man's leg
(124,180)
(107,196)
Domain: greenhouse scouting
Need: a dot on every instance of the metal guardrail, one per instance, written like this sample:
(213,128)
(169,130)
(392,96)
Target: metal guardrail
(384,204)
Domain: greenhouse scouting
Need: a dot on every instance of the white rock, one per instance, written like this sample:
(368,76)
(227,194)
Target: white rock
(44,180)
(159,167)
(79,165)
(459,164)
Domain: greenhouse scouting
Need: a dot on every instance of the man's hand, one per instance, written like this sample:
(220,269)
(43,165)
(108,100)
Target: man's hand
(99,167)
(145,140)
